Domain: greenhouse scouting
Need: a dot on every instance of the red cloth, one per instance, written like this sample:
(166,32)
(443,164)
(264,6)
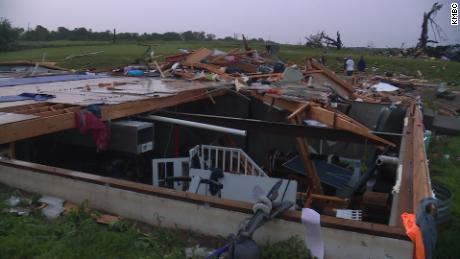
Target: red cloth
(86,121)
(414,233)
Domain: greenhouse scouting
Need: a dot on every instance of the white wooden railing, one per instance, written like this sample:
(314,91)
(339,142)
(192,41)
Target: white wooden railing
(231,160)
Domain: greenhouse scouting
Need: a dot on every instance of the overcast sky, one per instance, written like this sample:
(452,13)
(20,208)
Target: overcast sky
(361,22)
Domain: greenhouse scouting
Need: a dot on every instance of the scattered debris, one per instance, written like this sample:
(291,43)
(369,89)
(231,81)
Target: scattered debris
(107,219)
(349,214)
(384,87)
(445,93)
(13,201)
(20,211)
(197,252)
(54,206)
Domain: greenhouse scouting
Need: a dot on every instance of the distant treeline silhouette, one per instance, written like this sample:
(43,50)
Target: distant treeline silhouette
(41,33)
(9,35)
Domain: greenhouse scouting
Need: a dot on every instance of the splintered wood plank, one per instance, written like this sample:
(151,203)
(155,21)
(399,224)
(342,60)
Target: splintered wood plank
(6,118)
(298,111)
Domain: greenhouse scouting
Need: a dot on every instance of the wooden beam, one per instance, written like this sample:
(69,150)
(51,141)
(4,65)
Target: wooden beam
(298,111)
(333,77)
(330,118)
(275,100)
(132,108)
(309,72)
(56,112)
(422,181)
(14,109)
(159,69)
(304,153)
(36,127)
(35,110)
(341,121)
(406,189)
(415,178)
(265,75)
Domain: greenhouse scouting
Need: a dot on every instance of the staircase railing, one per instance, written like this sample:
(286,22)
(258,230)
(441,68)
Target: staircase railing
(231,160)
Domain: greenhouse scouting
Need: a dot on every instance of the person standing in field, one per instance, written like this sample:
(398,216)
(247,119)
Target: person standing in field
(362,64)
(350,66)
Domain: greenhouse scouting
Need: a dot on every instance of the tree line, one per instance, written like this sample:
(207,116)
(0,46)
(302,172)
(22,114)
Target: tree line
(41,33)
(9,35)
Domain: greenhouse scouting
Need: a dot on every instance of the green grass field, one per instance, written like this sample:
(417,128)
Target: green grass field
(446,171)
(77,235)
(123,53)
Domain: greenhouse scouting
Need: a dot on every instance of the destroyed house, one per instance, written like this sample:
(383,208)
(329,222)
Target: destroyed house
(197,154)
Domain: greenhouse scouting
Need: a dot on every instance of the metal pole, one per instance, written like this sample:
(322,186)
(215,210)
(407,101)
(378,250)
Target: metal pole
(197,125)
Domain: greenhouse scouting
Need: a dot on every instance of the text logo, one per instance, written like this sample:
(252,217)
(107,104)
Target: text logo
(454,14)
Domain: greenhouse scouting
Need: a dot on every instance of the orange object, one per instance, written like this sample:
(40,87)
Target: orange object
(414,233)
(273,91)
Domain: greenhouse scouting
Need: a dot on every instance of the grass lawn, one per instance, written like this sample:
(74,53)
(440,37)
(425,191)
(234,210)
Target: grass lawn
(122,53)
(77,235)
(447,172)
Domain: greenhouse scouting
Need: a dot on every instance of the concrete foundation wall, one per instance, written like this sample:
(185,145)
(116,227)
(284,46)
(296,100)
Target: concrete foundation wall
(200,218)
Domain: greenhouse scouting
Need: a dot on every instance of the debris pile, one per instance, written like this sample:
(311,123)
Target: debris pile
(212,65)
(250,69)
(23,204)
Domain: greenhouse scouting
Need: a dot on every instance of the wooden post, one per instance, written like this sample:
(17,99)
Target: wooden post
(114,36)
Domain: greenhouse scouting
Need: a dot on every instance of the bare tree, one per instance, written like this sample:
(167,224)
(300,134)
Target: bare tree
(331,42)
(315,40)
(321,39)
(428,19)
